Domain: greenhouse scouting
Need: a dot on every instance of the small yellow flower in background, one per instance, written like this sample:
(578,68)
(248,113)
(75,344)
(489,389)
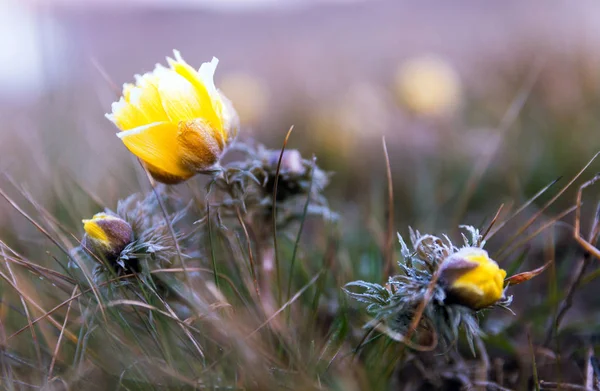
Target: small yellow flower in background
(175,120)
(472,279)
(106,235)
(251,96)
(428,86)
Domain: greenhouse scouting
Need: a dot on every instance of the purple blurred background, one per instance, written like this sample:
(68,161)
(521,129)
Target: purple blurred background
(327,67)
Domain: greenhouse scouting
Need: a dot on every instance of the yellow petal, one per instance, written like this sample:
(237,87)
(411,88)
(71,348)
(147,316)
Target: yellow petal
(126,116)
(480,286)
(146,99)
(164,177)
(139,106)
(156,144)
(94,231)
(471,292)
(127,90)
(204,85)
(180,99)
(206,73)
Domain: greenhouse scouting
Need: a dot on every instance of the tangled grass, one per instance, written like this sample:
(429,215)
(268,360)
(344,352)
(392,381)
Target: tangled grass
(247,279)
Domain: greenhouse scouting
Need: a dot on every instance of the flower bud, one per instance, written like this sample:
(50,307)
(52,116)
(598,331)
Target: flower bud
(472,279)
(106,236)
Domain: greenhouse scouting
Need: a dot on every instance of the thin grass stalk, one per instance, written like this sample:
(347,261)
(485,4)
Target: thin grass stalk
(275,245)
(60,337)
(297,242)
(212,247)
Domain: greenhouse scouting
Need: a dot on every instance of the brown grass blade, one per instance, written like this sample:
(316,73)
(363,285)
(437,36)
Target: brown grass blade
(275,246)
(64,327)
(34,338)
(534,234)
(546,206)
(523,207)
(389,237)
(487,231)
(72,337)
(506,122)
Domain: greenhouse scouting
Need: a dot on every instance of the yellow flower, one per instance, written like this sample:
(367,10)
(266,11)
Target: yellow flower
(472,279)
(428,86)
(175,120)
(106,235)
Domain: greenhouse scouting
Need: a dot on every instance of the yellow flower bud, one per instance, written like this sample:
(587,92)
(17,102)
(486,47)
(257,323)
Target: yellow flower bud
(428,86)
(106,235)
(175,120)
(472,279)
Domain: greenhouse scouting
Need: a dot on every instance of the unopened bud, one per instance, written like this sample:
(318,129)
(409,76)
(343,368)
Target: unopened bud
(106,235)
(472,279)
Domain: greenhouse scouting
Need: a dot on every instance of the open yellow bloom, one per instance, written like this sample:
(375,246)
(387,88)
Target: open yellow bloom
(106,235)
(472,279)
(175,120)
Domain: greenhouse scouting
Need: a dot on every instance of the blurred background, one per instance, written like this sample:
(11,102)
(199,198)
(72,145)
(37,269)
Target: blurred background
(481,103)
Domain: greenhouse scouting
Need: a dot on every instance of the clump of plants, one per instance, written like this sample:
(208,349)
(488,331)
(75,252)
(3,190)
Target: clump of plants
(216,283)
